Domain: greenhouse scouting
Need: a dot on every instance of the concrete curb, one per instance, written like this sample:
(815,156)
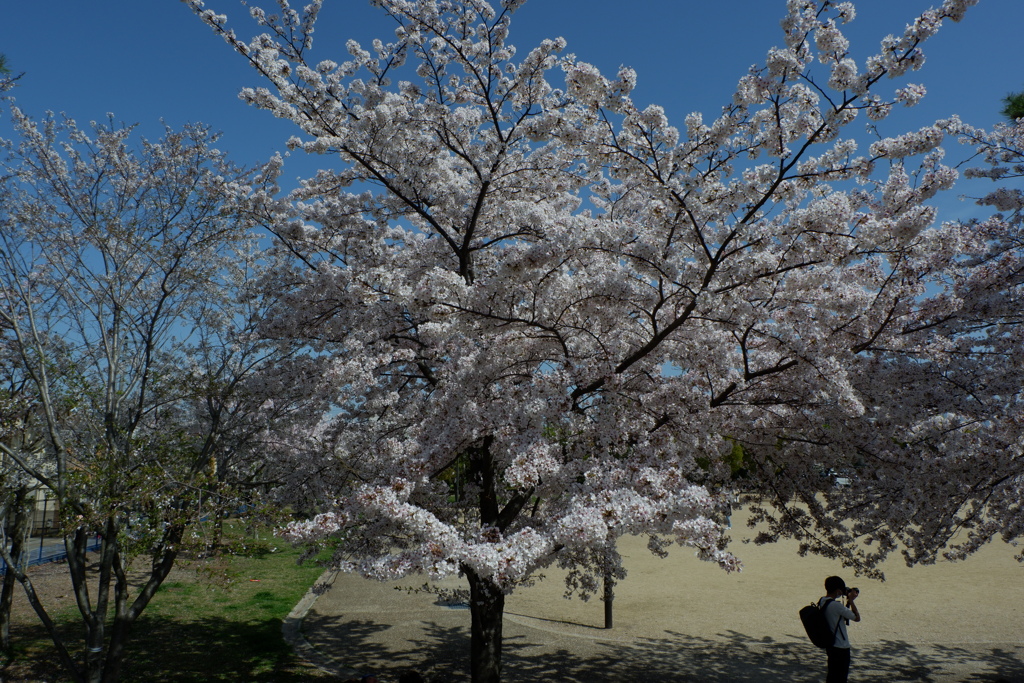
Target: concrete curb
(291,630)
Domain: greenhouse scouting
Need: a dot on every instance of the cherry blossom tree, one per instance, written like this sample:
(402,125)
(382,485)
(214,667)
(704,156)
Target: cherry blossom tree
(123,270)
(247,411)
(551,318)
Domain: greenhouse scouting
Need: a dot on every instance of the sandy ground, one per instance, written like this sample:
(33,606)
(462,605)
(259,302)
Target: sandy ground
(680,619)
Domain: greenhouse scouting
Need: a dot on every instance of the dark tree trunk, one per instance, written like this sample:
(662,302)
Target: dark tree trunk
(610,558)
(487,608)
(609,597)
(6,599)
(62,652)
(19,534)
(487,600)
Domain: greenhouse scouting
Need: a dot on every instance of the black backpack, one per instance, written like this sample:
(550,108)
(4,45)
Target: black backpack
(816,625)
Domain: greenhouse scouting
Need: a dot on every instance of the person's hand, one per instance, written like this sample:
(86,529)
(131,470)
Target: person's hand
(852,595)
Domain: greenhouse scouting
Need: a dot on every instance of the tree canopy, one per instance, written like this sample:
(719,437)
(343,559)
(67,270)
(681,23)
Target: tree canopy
(550,317)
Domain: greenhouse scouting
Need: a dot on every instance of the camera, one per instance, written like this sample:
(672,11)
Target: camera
(847,591)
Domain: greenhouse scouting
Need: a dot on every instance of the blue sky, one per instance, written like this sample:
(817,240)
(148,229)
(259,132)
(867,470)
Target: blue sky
(147,60)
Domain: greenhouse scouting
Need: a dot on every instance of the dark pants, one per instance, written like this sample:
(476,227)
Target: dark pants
(838,664)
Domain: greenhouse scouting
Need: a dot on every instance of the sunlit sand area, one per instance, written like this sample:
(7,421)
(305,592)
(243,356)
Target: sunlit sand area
(681,619)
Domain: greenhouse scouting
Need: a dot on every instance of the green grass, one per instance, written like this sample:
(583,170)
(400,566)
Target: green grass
(213,620)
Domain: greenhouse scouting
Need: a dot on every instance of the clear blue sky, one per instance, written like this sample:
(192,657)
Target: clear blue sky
(146,60)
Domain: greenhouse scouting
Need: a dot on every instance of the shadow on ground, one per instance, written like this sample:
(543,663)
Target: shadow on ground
(209,649)
(441,650)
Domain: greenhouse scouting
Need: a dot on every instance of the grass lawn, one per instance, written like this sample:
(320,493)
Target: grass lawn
(212,620)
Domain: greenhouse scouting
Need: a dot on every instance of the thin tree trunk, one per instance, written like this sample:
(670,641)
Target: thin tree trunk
(126,615)
(96,619)
(19,534)
(609,581)
(6,599)
(609,597)
(119,630)
(51,628)
(487,609)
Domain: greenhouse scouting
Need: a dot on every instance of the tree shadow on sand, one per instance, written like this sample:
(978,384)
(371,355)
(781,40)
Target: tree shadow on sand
(734,657)
(440,650)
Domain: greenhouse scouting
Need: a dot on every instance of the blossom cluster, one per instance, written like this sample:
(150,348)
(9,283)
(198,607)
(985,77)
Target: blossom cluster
(556,318)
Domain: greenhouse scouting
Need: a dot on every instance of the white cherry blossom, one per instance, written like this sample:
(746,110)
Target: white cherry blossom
(558,318)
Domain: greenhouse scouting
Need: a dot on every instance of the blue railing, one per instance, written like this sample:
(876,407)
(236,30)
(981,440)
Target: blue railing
(55,552)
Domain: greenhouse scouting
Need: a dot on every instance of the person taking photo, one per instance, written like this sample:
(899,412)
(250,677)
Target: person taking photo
(838,616)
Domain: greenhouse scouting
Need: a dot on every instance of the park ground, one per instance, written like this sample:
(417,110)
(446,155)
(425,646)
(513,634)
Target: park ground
(680,619)
(677,619)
